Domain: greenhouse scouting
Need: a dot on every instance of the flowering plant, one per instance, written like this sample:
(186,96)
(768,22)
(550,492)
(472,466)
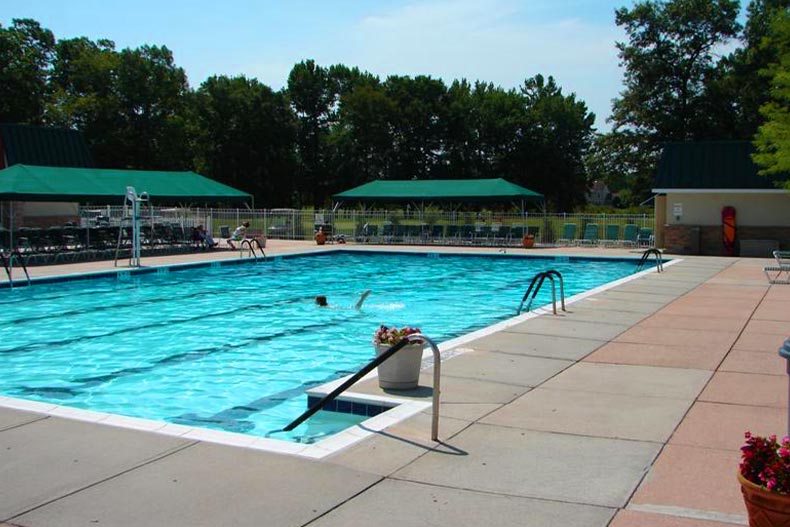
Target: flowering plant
(393,335)
(766,462)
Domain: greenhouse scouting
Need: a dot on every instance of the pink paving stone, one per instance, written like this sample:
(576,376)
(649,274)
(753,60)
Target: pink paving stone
(773,310)
(662,320)
(775,327)
(720,340)
(710,307)
(709,290)
(754,362)
(764,342)
(626,518)
(657,355)
(693,478)
(748,389)
(779,292)
(714,425)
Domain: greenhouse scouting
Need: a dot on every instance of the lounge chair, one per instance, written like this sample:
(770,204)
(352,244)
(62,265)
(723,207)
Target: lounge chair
(630,235)
(645,238)
(612,236)
(568,234)
(781,268)
(590,234)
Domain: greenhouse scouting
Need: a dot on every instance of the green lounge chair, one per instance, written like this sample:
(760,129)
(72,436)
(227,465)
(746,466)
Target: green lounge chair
(612,236)
(568,234)
(590,234)
(645,238)
(630,235)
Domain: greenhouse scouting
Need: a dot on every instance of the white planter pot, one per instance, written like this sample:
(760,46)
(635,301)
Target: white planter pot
(402,370)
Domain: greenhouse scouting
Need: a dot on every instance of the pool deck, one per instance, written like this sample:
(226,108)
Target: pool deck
(628,410)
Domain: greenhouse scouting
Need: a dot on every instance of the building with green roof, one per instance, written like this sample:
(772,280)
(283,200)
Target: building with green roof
(696,180)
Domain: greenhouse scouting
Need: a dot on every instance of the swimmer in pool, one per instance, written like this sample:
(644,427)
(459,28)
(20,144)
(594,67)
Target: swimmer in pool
(321,301)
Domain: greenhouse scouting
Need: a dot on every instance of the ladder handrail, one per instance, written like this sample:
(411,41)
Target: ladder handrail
(7,271)
(8,264)
(529,290)
(414,338)
(556,273)
(646,255)
(249,241)
(537,283)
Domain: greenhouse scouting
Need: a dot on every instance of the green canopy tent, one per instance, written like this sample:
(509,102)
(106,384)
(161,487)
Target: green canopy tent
(106,186)
(109,186)
(440,190)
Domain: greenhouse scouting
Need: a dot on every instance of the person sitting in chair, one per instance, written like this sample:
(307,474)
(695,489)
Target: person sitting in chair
(238,234)
(205,237)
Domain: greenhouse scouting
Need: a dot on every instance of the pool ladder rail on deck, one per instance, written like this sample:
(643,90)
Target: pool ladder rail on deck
(409,339)
(645,255)
(8,265)
(248,242)
(535,285)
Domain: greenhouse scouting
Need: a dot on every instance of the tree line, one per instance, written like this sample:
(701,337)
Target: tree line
(334,127)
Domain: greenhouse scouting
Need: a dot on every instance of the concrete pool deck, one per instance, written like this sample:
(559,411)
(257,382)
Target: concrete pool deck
(627,410)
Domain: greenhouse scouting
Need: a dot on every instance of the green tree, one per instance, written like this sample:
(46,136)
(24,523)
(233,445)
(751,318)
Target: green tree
(617,159)
(773,138)
(667,59)
(737,88)
(26,51)
(84,95)
(245,137)
(556,136)
(417,126)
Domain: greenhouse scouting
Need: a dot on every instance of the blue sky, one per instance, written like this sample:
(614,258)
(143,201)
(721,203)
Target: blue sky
(501,41)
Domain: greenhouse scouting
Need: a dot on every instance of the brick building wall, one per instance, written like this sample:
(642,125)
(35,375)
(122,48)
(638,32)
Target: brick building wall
(682,239)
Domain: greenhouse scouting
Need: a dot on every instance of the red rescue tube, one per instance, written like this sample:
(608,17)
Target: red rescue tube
(728,230)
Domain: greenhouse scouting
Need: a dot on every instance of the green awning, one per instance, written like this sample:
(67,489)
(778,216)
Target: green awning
(38,183)
(453,190)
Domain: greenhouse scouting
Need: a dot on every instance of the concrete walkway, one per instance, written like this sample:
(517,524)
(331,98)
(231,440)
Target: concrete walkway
(627,410)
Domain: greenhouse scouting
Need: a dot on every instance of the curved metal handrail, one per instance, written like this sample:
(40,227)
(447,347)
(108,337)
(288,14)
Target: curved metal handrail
(556,273)
(646,255)
(8,265)
(414,338)
(248,242)
(534,288)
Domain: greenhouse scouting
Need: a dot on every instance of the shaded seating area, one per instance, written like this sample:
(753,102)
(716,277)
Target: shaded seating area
(101,237)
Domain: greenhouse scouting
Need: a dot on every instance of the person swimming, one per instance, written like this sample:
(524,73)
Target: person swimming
(321,300)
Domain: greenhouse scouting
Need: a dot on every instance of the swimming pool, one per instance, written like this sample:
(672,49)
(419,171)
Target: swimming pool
(234,347)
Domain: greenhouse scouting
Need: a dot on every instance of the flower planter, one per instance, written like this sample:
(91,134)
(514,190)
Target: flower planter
(320,238)
(528,241)
(402,370)
(765,508)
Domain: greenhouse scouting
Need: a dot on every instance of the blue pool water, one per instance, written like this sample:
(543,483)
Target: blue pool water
(235,347)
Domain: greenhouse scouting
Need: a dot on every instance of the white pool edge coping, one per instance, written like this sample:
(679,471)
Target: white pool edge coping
(401,408)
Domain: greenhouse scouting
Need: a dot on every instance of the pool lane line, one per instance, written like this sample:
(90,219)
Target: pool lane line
(179,358)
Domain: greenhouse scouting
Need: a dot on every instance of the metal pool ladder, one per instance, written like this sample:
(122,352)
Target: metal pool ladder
(414,338)
(645,255)
(535,285)
(248,242)
(8,264)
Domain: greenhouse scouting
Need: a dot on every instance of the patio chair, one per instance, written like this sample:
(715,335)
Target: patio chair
(612,236)
(630,235)
(568,234)
(590,234)
(453,234)
(645,238)
(782,268)
(516,235)
(437,234)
